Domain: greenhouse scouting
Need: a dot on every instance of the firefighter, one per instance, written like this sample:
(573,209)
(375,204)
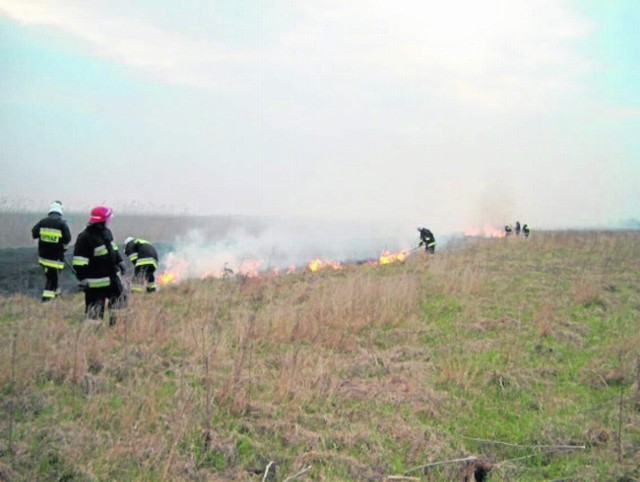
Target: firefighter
(508,230)
(428,240)
(97,261)
(526,230)
(53,237)
(145,261)
(517,230)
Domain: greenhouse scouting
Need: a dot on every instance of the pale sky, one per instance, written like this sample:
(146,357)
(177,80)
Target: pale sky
(440,113)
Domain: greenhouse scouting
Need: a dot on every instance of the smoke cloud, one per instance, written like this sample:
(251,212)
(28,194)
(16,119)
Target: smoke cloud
(280,245)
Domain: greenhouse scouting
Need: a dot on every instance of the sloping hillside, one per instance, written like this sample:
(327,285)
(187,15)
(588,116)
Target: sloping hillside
(499,359)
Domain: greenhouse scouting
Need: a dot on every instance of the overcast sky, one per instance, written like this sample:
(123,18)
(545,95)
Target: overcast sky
(448,114)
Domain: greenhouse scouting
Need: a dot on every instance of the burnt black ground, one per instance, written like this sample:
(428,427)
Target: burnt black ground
(20,272)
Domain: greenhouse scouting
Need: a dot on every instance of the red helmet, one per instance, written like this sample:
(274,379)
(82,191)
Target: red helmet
(100,214)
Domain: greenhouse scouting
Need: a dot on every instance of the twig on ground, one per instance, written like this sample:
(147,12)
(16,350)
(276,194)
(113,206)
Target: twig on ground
(266,471)
(443,462)
(549,449)
(401,477)
(517,459)
(298,474)
(506,444)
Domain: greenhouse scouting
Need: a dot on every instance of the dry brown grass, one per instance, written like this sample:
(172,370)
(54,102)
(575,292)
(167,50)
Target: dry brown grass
(308,327)
(458,274)
(361,373)
(544,318)
(459,371)
(587,293)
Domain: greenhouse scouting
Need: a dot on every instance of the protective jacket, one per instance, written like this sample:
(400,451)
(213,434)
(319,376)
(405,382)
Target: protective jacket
(141,253)
(53,236)
(427,238)
(96,256)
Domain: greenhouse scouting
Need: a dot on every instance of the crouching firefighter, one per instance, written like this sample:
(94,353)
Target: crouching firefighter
(53,236)
(427,239)
(97,262)
(145,261)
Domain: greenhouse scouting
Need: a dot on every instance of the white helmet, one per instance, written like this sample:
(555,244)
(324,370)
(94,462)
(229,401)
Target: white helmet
(56,207)
(128,240)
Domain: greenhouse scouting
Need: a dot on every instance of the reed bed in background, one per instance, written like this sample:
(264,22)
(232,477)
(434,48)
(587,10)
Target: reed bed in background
(508,359)
(17,223)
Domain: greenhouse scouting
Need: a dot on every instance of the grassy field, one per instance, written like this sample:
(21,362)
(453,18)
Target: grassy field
(497,359)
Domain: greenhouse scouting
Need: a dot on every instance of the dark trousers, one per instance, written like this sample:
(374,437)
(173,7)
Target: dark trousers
(429,245)
(95,300)
(50,283)
(142,274)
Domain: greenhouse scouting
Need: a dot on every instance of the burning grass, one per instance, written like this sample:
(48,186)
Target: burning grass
(181,268)
(358,373)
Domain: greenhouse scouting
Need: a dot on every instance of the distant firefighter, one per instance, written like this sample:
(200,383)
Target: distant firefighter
(145,261)
(508,230)
(517,228)
(526,230)
(53,237)
(97,262)
(428,240)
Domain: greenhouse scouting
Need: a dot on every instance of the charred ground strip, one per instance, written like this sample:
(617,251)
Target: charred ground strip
(20,272)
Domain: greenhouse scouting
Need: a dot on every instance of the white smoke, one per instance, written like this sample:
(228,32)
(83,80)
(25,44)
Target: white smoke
(280,245)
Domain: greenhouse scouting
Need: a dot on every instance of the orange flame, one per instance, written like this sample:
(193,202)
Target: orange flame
(388,257)
(167,278)
(314,265)
(250,267)
(317,264)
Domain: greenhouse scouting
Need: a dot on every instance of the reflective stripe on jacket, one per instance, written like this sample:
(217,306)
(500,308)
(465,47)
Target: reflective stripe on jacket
(53,236)
(141,253)
(92,259)
(51,263)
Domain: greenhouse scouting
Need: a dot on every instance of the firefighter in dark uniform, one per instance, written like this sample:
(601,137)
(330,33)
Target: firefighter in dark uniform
(517,230)
(145,261)
(526,230)
(427,239)
(508,230)
(97,261)
(53,236)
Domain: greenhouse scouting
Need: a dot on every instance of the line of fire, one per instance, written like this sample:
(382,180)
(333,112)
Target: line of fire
(253,268)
